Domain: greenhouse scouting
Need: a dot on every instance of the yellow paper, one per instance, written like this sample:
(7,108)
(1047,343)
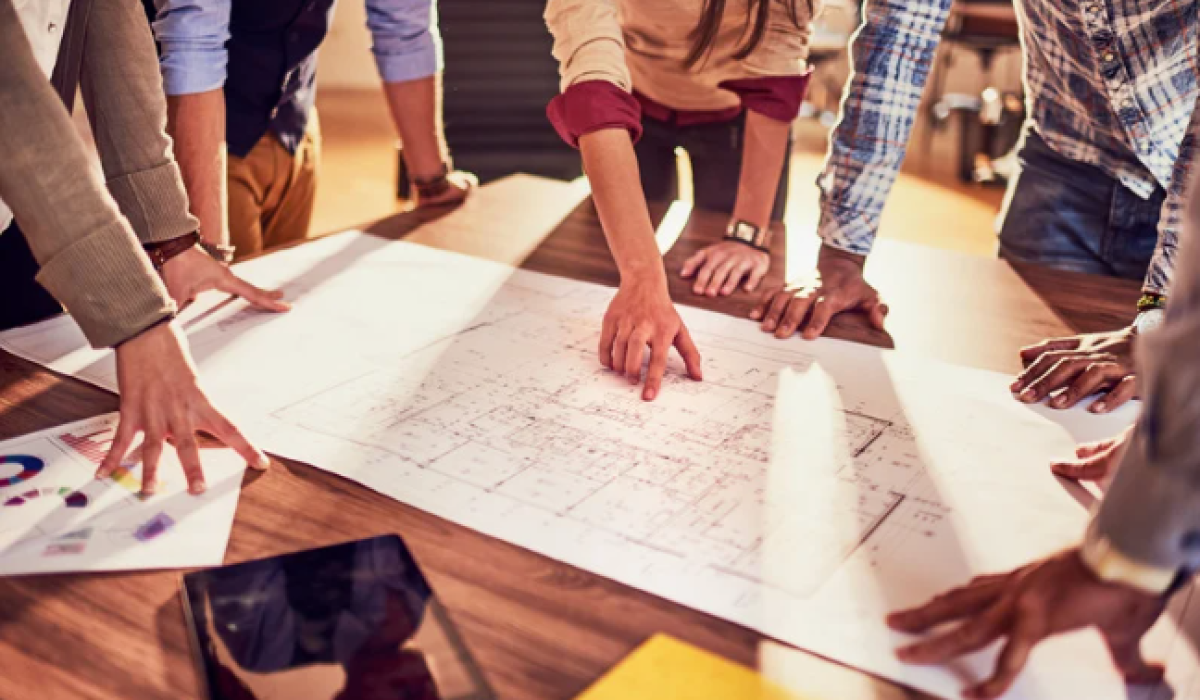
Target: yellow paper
(665,668)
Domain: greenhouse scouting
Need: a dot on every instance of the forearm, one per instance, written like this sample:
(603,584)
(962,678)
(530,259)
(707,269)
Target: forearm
(764,149)
(892,55)
(416,107)
(197,123)
(612,170)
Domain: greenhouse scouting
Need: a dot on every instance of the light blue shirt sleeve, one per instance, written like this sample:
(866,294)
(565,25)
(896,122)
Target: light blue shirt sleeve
(192,35)
(406,41)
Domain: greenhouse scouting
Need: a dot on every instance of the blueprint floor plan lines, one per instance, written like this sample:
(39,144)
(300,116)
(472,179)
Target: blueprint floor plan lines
(803,489)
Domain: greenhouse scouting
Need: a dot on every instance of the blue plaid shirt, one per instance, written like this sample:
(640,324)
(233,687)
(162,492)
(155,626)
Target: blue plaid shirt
(1111,83)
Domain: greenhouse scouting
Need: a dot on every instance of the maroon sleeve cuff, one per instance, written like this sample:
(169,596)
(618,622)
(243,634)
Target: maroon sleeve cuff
(776,97)
(593,105)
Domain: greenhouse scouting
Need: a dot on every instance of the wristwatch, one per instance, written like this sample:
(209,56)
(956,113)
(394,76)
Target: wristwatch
(748,233)
(219,252)
(1152,310)
(1109,564)
(163,252)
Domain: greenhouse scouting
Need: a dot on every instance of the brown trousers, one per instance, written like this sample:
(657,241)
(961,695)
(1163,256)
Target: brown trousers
(272,192)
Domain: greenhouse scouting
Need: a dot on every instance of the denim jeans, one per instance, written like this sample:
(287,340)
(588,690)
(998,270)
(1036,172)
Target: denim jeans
(1073,216)
(716,154)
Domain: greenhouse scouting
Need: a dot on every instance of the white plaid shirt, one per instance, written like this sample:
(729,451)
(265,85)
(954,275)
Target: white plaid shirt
(1111,83)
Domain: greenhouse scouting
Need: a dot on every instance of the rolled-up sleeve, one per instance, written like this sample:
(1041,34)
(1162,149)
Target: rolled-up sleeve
(891,56)
(595,81)
(405,39)
(192,36)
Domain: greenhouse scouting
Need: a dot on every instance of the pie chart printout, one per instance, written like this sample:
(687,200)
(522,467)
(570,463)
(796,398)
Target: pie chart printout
(29,468)
(56,516)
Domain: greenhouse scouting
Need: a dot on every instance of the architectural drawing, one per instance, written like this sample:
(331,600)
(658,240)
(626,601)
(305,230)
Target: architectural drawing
(802,489)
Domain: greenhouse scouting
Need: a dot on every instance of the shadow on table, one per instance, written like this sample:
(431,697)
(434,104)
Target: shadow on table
(1072,297)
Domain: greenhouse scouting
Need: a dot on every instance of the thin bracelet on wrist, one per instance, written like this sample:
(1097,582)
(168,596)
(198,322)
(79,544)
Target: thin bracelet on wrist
(432,187)
(1152,301)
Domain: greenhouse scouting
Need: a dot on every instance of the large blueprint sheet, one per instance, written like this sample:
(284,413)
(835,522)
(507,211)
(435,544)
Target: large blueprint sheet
(802,489)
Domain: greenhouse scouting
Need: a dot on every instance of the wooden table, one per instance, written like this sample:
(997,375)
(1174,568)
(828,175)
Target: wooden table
(541,629)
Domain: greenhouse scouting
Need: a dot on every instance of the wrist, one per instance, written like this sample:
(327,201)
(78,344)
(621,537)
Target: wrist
(749,233)
(829,254)
(160,326)
(644,276)
(163,252)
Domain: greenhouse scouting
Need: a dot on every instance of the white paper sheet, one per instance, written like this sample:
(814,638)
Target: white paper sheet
(803,489)
(55,516)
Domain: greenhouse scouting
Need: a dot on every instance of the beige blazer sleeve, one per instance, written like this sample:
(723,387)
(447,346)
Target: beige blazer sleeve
(128,112)
(90,259)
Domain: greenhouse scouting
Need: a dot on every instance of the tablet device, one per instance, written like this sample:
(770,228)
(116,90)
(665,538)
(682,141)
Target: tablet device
(355,621)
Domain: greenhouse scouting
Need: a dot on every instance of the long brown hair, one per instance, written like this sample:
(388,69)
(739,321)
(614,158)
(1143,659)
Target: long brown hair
(757,13)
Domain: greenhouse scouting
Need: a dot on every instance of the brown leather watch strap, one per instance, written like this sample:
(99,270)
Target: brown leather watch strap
(163,251)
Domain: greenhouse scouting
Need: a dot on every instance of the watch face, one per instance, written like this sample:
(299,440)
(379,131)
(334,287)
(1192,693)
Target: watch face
(743,232)
(1149,320)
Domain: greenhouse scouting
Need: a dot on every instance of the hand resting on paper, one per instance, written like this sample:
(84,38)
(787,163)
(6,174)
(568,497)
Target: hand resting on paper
(190,274)
(1024,607)
(810,307)
(161,399)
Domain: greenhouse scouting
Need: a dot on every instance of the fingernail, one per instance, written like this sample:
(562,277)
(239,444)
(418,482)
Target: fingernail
(199,487)
(1016,386)
(769,326)
(1028,395)
(264,462)
(754,315)
(1098,407)
(1060,401)
(651,395)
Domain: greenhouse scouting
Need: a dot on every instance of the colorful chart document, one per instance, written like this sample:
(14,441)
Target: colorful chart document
(803,489)
(55,516)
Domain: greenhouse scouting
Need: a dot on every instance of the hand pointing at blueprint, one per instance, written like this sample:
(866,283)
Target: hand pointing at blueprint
(640,317)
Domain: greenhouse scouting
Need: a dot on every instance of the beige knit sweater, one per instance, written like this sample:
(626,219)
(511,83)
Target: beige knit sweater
(642,45)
